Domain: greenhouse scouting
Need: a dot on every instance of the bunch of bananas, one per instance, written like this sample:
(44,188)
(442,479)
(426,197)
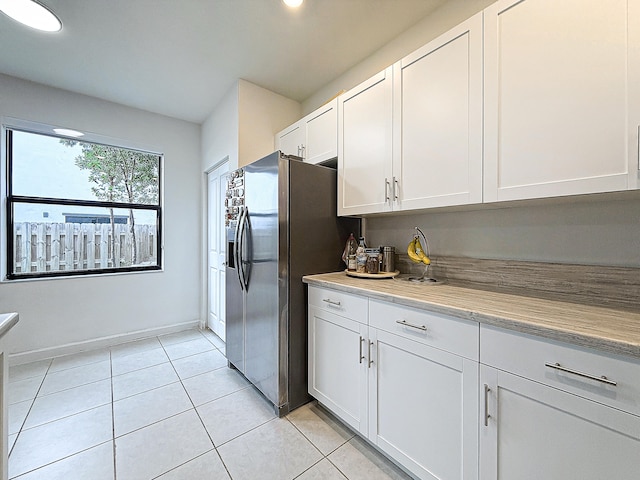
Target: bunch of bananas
(416,252)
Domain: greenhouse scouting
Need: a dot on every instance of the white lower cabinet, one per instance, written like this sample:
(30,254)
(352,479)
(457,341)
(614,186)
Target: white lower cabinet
(417,403)
(423,407)
(337,371)
(534,431)
(561,425)
(410,382)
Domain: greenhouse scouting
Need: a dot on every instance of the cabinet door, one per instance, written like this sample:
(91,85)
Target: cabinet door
(322,133)
(534,431)
(438,121)
(291,140)
(364,147)
(557,94)
(424,407)
(338,366)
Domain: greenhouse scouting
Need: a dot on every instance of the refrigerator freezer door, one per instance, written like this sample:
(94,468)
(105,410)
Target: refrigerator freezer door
(234,298)
(266,311)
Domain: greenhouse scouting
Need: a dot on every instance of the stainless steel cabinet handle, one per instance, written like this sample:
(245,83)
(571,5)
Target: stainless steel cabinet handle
(361,356)
(486,405)
(331,302)
(370,357)
(602,379)
(386,191)
(396,189)
(407,324)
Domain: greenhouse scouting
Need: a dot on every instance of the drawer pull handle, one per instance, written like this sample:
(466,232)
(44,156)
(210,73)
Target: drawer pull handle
(331,302)
(407,324)
(370,357)
(602,379)
(361,356)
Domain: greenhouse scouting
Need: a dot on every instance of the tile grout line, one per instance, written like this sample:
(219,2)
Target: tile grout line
(195,409)
(59,460)
(324,457)
(29,411)
(25,420)
(113,420)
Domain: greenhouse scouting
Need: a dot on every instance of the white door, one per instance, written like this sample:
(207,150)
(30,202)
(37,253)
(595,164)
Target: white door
(438,120)
(365,180)
(321,128)
(217,182)
(530,431)
(338,366)
(423,407)
(556,98)
(290,141)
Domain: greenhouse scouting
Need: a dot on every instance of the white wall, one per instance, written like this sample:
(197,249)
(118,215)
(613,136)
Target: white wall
(61,312)
(447,16)
(262,115)
(220,133)
(591,230)
(243,125)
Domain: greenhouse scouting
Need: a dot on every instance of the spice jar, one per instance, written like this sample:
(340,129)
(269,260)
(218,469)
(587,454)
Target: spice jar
(373,260)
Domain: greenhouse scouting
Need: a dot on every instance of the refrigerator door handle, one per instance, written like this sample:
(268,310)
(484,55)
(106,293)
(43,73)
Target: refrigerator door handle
(246,244)
(237,253)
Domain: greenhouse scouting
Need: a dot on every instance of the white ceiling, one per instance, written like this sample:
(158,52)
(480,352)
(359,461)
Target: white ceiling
(179,57)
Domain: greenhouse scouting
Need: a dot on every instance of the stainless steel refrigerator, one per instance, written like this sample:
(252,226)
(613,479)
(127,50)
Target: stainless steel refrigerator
(281,225)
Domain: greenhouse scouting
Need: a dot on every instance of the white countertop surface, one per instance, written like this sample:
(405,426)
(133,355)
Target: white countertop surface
(606,329)
(7,321)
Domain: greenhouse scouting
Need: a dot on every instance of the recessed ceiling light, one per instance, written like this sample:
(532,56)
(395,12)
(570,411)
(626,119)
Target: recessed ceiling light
(293,3)
(32,14)
(68,133)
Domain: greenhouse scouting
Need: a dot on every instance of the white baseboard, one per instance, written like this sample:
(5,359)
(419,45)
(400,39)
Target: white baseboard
(98,343)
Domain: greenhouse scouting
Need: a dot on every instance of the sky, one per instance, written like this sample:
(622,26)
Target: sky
(43,167)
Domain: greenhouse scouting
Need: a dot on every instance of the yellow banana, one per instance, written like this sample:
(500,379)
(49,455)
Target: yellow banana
(412,251)
(422,257)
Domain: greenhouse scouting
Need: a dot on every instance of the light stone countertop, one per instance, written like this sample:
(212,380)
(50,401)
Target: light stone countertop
(7,321)
(606,329)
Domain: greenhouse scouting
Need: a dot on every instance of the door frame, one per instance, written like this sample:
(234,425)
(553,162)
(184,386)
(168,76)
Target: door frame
(205,307)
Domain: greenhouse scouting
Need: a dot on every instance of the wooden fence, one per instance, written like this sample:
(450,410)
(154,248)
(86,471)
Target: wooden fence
(52,247)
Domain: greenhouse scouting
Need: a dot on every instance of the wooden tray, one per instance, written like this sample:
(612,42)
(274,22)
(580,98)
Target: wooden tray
(372,275)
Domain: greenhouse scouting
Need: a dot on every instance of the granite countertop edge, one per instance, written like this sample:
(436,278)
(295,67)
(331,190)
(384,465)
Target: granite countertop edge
(580,325)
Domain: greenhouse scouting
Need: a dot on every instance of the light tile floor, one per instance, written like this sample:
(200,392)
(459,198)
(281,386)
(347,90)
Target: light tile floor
(169,408)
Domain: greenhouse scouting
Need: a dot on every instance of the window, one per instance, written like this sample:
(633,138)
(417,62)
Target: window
(77,207)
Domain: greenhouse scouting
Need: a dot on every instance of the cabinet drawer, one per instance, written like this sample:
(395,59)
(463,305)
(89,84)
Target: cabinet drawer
(447,333)
(573,369)
(351,306)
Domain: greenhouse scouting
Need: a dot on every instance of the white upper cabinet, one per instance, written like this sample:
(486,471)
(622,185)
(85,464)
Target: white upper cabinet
(315,137)
(364,147)
(437,157)
(321,131)
(560,98)
(411,137)
(290,141)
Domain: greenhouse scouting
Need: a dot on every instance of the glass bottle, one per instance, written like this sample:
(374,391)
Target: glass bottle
(349,254)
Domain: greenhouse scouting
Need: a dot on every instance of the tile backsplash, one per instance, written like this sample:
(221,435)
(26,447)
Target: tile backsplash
(616,287)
